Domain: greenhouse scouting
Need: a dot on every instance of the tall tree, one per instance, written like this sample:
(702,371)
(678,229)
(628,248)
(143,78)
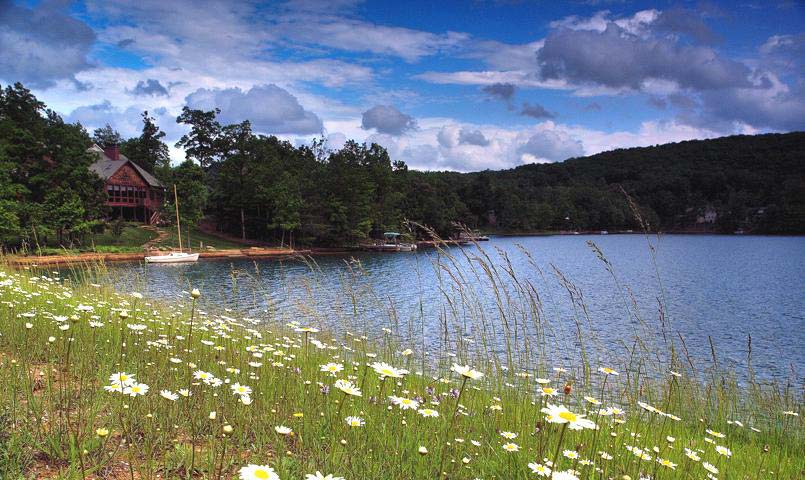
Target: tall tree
(148,150)
(202,142)
(106,136)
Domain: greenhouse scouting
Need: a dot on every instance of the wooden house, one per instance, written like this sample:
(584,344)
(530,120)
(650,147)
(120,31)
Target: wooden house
(132,192)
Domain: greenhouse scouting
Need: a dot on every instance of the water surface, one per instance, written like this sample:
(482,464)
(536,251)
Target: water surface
(727,288)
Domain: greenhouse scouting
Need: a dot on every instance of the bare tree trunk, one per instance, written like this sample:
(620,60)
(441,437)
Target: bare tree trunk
(242,224)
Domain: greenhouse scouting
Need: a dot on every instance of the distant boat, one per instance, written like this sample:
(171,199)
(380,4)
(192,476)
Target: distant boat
(391,243)
(174,257)
(604,232)
(472,237)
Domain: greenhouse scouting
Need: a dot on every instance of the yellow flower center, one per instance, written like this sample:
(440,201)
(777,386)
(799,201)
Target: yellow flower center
(261,474)
(569,416)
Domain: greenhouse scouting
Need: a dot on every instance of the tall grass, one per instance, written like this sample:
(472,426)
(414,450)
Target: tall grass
(658,412)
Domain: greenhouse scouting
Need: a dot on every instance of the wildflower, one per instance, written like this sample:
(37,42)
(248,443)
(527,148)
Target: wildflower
(320,476)
(511,447)
(592,400)
(571,454)
(692,455)
(422,450)
(332,368)
(213,415)
(195,294)
(715,434)
(404,403)
(114,388)
(607,371)
(386,370)
(167,394)
(710,468)
(406,352)
(560,414)
(666,463)
(791,413)
(102,432)
(241,390)
(136,389)
(227,428)
(466,371)
(566,475)
(539,469)
(549,392)
(348,388)
(427,412)
(185,392)
(723,451)
(258,472)
(355,421)
(508,435)
(283,430)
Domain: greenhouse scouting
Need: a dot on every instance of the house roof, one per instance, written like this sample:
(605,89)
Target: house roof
(105,167)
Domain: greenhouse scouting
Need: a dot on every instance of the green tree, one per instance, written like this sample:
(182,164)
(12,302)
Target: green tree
(106,136)
(148,150)
(202,143)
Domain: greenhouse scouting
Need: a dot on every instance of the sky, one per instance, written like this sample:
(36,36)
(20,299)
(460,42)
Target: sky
(443,85)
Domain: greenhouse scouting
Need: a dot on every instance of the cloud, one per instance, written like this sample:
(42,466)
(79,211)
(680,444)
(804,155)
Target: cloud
(551,146)
(127,121)
(472,137)
(269,108)
(686,22)
(150,87)
(387,119)
(43,44)
(503,91)
(535,110)
(329,27)
(616,59)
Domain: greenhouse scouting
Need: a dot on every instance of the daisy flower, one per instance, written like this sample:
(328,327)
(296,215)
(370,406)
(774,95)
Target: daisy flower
(319,476)
(258,472)
(355,421)
(511,447)
(560,414)
(167,394)
(386,370)
(348,388)
(466,371)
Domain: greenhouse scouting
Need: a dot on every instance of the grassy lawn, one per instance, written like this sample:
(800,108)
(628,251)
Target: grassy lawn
(133,235)
(197,238)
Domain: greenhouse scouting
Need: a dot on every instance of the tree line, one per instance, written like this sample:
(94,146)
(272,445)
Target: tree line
(260,187)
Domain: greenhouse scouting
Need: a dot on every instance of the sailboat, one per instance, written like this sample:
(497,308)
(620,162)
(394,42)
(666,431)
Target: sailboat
(174,257)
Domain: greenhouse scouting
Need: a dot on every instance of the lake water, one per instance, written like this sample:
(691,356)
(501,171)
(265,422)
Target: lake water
(724,287)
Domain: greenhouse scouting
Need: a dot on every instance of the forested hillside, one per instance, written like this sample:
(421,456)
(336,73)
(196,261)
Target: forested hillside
(260,187)
(752,182)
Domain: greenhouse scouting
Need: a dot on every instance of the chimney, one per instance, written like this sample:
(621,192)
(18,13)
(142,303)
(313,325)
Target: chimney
(112,151)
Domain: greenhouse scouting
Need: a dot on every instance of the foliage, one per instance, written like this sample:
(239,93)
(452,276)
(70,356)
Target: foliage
(106,136)
(47,192)
(148,150)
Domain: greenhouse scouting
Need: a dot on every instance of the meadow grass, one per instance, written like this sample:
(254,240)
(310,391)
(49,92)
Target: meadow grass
(97,383)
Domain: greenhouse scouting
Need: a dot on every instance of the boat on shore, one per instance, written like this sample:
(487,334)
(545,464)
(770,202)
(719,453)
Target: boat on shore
(391,243)
(174,257)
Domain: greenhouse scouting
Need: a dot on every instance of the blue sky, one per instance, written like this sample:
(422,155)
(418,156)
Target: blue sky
(459,85)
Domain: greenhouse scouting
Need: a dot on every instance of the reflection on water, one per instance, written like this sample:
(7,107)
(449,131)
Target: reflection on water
(725,287)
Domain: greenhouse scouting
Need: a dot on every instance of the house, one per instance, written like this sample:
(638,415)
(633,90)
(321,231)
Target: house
(132,192)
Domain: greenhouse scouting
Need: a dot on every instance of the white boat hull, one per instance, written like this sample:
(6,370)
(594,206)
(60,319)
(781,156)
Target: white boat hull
(172,258)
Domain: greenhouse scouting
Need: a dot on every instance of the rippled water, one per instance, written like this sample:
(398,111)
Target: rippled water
(724,287)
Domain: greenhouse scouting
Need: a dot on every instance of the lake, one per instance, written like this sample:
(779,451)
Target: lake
(692,287)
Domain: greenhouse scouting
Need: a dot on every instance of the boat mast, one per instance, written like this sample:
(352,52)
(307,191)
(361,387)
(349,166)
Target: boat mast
(178,227)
